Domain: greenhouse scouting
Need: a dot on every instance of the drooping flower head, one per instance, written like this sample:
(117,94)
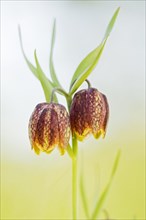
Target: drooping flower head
(49,126)
(89,113)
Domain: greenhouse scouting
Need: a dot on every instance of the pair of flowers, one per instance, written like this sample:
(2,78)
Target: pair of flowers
(50,125)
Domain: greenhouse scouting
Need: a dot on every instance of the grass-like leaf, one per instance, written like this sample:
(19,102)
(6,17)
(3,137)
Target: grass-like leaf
(106,214)
(90,61)
(38,73)
(82,77)
(103,196)
(46,84)
(30,65)
(52,69)
(83,196)
(111,23)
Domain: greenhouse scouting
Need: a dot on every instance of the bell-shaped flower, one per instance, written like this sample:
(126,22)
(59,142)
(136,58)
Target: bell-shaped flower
(89,113)
(49,126)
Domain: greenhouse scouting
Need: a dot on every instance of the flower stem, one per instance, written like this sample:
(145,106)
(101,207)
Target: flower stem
(74,177)
(59,90)
(74,166)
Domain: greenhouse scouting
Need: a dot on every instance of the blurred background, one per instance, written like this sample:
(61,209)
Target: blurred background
(39,187)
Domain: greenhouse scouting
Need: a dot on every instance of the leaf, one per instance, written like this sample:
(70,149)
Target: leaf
(82,77)
(52,69)
(103,196)
(100,202)
(30,65)
(111,23)
(106,214)
(46,84)
(116,164)
(82,189)
(83,196)
(90,61)
(84,65)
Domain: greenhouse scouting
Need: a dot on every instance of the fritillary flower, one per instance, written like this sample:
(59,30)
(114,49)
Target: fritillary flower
(89,113)
(49,126)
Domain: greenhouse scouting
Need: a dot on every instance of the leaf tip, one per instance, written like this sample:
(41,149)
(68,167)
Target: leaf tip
(19,29)
(19,33)
(36,59)
(54,21)
(119,153)
(117,11)
(35,52)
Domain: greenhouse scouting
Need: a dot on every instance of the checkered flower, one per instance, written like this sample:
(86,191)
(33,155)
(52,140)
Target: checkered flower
(49,127)
(89,113)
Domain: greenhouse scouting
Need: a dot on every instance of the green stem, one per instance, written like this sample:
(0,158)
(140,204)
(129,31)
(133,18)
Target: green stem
(73,155)
(70,152)
(69,100)
(59,90)
(74,177)
(89,84)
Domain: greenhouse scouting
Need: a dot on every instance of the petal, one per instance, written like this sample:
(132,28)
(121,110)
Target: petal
(34,121)
(49,126)
(63,127)
(89,113)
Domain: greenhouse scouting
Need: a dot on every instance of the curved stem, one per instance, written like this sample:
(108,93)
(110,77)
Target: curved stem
(89,84)
(69,100)
(74,177)
(59,90)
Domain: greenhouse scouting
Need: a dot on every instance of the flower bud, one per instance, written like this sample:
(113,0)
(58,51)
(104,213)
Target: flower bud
(89,113)
(49,126)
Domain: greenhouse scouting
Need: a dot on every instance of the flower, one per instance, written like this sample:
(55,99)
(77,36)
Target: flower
(49,126)
(89,113)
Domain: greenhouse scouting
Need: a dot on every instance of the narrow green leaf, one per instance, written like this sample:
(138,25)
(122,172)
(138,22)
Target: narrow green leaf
(82,77)
(30,65)
(84,65)
(52,69)
(116,164)
(111,23)
(90,61)
(32,68)
(103,196)
(38,73)
(100,202)
(83,196)
(46,84)
(106,214)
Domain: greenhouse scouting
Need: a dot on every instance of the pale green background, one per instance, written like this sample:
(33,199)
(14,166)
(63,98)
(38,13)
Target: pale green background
(40,187)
